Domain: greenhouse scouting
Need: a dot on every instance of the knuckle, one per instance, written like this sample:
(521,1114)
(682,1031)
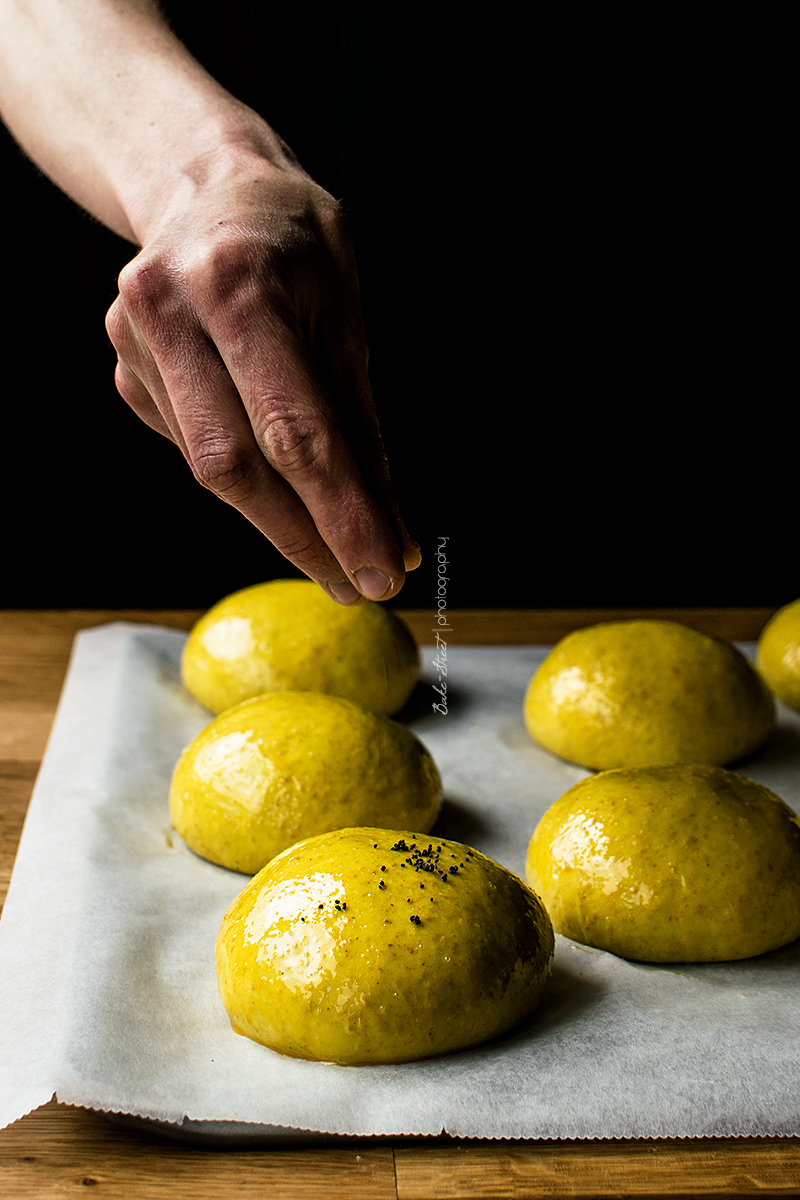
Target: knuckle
(226,469)
(116,322)
(222,265)
(333,220)
(292,441)
(147,290)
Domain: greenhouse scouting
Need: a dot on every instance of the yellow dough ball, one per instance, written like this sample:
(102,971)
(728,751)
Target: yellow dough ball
(289,635)
(779,654)
(284,766)
(375,946)
(682,863)
(645,692)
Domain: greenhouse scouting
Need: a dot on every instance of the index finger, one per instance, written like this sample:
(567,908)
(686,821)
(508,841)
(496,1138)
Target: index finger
(302,437)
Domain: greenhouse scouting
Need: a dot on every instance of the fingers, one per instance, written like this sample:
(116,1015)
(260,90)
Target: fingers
(134,392)
(247,350)
(204,415)
(340,352)
(299,429)
(139,399)
(277,466)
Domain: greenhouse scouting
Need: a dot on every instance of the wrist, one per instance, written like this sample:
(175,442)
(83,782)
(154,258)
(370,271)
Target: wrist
(229,142)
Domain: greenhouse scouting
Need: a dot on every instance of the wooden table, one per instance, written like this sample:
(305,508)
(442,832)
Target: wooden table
(57,1150)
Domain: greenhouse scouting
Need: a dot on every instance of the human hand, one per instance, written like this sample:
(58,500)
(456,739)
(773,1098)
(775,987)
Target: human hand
(239,336)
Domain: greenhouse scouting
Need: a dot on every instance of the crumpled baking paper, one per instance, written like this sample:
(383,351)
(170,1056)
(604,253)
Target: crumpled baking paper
(107,989)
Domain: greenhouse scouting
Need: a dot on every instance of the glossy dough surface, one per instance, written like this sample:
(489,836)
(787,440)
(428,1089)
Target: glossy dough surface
(376,946)
(287,765)
(642,693)
(289,635)
(779,654)
(670,864)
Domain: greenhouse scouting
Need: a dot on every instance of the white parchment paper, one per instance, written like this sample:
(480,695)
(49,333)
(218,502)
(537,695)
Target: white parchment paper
(107,988)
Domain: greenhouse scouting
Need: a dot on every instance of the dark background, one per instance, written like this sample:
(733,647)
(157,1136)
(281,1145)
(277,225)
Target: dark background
(573,255)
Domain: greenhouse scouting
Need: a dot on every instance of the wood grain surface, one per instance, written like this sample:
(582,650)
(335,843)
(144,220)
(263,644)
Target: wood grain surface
(57,1151)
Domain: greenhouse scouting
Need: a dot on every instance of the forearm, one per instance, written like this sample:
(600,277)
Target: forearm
(113,108)
(237,326)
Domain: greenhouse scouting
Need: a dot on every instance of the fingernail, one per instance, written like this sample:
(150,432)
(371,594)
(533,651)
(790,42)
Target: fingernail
(413,555)
(373,583)
(343,591)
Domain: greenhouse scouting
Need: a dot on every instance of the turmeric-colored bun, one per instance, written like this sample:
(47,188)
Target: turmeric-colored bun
(376,946)
(288,635)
